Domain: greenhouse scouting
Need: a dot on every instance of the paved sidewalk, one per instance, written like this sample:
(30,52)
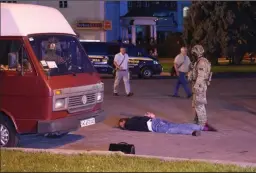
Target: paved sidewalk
(231,109)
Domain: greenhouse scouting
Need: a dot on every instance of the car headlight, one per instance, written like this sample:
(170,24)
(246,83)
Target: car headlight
(104,61)
(155,62)
(59,104)
(99,96)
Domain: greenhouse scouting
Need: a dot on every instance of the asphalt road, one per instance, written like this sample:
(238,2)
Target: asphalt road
(231,109)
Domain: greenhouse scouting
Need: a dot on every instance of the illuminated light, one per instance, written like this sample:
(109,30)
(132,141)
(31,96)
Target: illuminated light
(99,96)
(89,40)
(60,103)
(58,92)
(185,11)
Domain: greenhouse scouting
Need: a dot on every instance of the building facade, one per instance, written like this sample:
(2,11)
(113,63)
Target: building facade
(154,20)
(120,20)
(86,17)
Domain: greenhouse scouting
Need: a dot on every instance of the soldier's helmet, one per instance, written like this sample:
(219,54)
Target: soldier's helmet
(197,50)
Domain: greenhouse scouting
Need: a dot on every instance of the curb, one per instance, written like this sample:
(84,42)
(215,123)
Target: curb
(68,152)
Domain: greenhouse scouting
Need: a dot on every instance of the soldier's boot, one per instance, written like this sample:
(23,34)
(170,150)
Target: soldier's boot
(208,127)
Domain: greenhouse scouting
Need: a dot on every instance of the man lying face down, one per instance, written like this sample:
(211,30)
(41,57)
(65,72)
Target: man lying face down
(149,123)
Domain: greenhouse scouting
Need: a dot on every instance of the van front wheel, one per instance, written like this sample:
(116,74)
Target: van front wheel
(8,134)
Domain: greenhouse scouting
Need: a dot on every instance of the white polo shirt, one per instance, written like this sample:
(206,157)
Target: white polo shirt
(185,61)
(119,58)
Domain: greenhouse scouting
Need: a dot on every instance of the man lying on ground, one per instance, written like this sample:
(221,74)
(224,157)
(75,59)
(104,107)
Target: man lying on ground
(149,123)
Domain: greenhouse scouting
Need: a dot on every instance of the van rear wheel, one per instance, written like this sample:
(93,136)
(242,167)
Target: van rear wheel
(8,134)
(55,135)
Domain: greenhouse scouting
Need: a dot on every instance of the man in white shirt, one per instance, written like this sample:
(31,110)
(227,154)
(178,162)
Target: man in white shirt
(182,65)
(122,72)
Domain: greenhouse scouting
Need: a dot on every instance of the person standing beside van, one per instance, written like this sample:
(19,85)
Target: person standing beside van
(121,61)
(182,65)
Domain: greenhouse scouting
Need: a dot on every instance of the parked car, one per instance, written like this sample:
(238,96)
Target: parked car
(140,63)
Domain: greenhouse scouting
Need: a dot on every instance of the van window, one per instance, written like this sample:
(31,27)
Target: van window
(15,47)
(113,49)
(135,51)
(95,48)
(60,54)
(101,48)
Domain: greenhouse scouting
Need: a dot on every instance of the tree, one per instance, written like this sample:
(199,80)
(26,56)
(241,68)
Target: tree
(223,28)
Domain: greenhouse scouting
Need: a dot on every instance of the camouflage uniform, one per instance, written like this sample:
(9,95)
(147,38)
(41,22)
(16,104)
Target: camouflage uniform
(200,77)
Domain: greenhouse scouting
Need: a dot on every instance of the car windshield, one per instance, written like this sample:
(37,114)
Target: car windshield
(136,51)
(60,54)
(95,48)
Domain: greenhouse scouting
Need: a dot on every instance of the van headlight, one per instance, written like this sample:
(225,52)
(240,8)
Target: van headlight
(155,62)
(100,86)
(99,97)
(59,104)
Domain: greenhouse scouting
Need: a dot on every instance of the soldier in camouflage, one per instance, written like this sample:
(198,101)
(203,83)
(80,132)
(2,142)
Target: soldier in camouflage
(200,76)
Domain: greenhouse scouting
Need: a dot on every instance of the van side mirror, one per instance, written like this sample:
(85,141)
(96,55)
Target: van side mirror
(12,60)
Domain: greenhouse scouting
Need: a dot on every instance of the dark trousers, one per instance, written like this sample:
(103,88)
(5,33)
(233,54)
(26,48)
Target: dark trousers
(182,81)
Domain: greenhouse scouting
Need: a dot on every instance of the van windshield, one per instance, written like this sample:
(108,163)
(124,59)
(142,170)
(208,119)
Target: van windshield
(60,54)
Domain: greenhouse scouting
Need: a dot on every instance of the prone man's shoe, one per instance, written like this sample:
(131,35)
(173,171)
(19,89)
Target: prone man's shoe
(196,133)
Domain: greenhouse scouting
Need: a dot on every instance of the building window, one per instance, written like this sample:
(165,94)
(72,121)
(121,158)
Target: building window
(139,4)
(63,4)
(129,4)
(146,4)
(8,1)
(185,11)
